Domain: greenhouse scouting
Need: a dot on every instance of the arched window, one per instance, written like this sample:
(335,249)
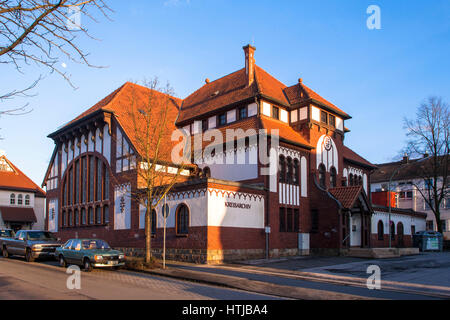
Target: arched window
(77,217)
(322,175)
(296,178)
(333,177)
(106,214)
(290,173)
(85,190)
(83,216)
(19,199)
(12,199)
(400,233)
(182,217)
(98,215)
(153,221)
(360,181)
(27,200)
(207,172)
(392,231)
(350,180)
(380,230)
(64,218)
(282,169)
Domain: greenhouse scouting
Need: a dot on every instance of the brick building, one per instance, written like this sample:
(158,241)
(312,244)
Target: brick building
(310,194)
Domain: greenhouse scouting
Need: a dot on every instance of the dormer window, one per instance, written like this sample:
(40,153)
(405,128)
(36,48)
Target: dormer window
(242,113)
(275,113)
(204,125)
(27,200)
(222,119)
(332,121)
(19,199)
(12,199)
(323,117)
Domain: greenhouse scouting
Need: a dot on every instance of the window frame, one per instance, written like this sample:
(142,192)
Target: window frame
(333,177)
(275,112)
(322,175)
(87,178)
(323,116)
(380,231)
(222,116)
(180,224)
(240,110)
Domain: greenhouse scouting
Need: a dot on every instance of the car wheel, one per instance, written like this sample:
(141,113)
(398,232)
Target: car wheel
(5,253)
(87,265)
(62,261)
(29,256)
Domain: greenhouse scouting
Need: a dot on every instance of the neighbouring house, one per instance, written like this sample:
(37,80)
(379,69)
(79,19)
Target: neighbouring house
(405,185)
(22,202)
(310,193)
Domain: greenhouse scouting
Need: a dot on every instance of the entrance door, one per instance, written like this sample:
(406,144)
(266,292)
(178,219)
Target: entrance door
(365,230)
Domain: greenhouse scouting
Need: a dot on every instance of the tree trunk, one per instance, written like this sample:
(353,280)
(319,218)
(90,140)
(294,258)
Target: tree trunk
(437,216)
(148,235)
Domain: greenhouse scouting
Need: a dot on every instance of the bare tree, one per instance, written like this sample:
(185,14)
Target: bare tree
(151,128)
(39,32)
(429,136)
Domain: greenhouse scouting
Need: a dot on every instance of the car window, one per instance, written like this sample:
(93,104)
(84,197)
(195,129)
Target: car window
(40,235)
(76,245)
(68,244)
(6,233)
(19,235)
(95,244)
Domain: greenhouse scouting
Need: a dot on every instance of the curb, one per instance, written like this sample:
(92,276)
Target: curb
(253,285)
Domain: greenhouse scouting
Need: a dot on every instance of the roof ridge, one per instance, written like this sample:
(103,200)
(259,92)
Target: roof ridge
(19,172)
(207,84)
(258,67)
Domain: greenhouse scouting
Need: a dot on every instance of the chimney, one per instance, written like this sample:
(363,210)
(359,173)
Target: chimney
(207,80)
(405,158)
(249,63)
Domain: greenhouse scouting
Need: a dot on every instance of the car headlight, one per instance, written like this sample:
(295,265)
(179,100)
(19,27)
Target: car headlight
(98,258)
(36,247)
(121,256)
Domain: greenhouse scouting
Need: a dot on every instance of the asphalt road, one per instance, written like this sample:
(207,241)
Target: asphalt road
(44,280)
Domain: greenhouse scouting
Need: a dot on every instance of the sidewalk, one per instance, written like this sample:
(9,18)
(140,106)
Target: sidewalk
(305,278)
(285,291)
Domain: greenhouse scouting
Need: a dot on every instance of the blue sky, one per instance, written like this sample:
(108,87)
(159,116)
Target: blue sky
(377,76)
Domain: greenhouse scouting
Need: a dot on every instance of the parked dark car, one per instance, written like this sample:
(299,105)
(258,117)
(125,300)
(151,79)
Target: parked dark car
(7,233)
(31,244)
(89,253)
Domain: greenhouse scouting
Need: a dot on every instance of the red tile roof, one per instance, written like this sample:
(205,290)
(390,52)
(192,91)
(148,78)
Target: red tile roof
(217,94)
(17,214)
(285,131)
(264,122)
(351,155)
(270,86)
(346,195)
(127,103)
(17,180)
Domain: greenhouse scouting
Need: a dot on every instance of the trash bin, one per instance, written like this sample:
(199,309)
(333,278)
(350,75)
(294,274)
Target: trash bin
(428,241)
